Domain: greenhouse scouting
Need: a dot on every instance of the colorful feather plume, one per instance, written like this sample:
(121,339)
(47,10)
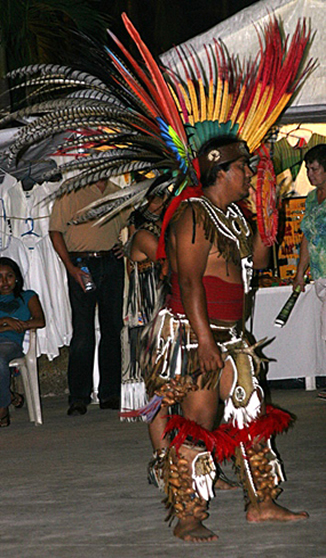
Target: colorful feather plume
(243,99)
(124,116)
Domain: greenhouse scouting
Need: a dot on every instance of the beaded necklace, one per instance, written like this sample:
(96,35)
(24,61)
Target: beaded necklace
(234,226)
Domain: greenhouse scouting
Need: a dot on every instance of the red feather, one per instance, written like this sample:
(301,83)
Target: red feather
(189,192)
(218,442)
(274,421)
(135,65)
(164,97)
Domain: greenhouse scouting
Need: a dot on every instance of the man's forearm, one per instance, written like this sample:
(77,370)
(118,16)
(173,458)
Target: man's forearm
(261,253)
(195,305)
(61,248)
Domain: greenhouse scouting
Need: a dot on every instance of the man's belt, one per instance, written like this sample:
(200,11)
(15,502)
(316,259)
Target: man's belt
(98,254)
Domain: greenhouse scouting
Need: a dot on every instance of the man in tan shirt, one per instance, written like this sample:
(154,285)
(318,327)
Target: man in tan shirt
(97,248)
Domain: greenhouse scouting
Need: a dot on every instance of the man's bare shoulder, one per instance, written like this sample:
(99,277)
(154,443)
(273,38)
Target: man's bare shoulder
(186,215)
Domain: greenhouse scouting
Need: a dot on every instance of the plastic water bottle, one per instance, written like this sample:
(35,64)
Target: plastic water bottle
(87,281)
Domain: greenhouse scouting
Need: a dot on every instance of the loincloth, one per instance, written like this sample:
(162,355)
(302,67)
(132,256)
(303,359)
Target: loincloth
(170,351)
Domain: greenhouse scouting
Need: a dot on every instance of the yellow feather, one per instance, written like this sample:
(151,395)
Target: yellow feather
(225,101)
(252,110)
(240,121)
(261,111)
(193,100)
(256,140)
(237,105)
(210,101)
(202,97)
(176,100)
(218,95)
(186,99)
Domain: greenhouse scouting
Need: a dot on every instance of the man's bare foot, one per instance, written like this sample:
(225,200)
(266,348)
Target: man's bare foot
(270,511)
(224,485)
(194,531)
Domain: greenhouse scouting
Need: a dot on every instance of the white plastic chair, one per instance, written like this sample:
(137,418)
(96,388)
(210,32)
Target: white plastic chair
(27,365)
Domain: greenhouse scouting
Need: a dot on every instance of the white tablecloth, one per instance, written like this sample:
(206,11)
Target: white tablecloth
(298,348)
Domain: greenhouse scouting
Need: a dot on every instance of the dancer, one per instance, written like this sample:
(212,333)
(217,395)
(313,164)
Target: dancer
(147,290)
(200,352)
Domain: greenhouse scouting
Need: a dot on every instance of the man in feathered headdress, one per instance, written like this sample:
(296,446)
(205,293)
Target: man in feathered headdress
(202,355)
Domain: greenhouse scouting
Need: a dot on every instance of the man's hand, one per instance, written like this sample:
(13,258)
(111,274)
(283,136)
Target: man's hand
(77,275)
(118,250)
(210,358)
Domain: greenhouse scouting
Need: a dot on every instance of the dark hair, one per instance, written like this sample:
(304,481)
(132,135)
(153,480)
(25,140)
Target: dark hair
(317,153)
(19,278)
(210,169)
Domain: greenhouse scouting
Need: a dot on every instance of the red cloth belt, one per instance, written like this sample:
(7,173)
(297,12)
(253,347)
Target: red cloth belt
(224,299)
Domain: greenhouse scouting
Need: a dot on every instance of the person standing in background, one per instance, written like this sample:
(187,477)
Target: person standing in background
(97,248)
(313,226)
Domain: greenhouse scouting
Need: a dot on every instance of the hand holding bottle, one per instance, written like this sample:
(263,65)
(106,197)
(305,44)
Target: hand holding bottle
(85,277)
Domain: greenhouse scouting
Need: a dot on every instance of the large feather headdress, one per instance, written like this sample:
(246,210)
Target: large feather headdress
(126,116)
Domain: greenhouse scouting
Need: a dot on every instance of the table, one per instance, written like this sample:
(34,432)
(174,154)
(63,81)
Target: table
(297,347)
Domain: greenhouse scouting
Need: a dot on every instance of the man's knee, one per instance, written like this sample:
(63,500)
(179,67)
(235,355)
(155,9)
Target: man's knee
(201,407)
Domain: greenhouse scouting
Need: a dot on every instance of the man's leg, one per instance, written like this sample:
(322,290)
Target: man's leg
(189,506)
(82,346)
(160,444)
(110,300)
(258,468)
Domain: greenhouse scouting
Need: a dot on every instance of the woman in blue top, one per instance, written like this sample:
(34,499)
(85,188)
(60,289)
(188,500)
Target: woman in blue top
(19,310)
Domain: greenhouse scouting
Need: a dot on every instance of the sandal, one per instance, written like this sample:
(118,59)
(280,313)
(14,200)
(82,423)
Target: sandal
(17,399)
(5,420)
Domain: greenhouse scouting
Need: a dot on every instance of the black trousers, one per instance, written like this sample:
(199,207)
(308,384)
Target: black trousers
(108,274)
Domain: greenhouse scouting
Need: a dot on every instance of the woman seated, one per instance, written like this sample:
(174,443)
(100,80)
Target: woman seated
(19,311)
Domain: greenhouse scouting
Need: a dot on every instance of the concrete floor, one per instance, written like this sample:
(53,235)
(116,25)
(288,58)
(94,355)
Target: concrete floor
(76,488)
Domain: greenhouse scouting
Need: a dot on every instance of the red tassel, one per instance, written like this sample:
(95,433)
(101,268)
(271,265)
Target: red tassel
(274,421)
(218,442)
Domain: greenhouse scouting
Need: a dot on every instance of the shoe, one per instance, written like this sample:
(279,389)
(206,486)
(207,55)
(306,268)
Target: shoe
(5,420)
(17,399)
(77,408)
(110,403)
(322,394)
